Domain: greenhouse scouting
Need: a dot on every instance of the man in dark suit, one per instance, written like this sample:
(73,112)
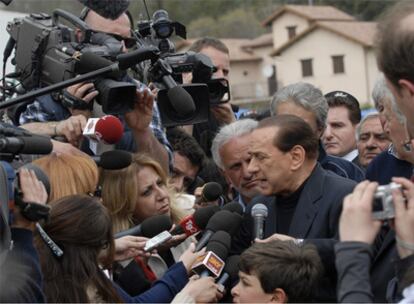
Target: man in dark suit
(303,200)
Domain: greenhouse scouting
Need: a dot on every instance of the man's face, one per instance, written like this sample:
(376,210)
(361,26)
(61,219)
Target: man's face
(405,102)
(249,290)
(290,108)
(270,165)
(235,158)
(120,26)
(220,60)
(184,172)
(372,140)
(339,135)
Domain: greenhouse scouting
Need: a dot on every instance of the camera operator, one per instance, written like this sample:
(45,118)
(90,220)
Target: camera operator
(222,113)
(20,270)
(48,116)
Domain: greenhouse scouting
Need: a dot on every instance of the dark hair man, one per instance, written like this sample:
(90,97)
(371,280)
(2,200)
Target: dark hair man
(303,200)
(48,116)
(344,115)
(307,102)
(189,159)
(222,113)
(278,272)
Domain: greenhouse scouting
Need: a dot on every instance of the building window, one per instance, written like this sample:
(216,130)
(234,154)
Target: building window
(338,64)
(291,31)
(307,69)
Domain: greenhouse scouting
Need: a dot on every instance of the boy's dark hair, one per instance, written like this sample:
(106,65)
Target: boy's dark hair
(283,264)
(343,99)
(187,146)
(205,42)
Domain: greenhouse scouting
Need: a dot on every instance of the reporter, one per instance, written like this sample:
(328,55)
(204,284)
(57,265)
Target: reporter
(81,226)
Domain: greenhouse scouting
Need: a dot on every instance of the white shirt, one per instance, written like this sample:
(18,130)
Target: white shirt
(351,155)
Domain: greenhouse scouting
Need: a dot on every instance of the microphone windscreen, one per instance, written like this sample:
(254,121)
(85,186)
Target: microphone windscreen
(233,207)
(181,101)
(109,129)
(211,191)
(40,174)
(89,62)
(132,58)
(203,215)
(259,210)
(36,145)
(220,244)
(223,220)
(108,9)
(232,266)
(115,160)
(155,225)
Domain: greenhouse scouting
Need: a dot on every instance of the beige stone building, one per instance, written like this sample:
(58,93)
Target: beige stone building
(317,44)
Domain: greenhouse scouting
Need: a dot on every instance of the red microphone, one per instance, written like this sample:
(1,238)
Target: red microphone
(108,129)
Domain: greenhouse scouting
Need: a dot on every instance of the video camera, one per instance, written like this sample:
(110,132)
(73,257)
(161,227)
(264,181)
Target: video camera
(48,52)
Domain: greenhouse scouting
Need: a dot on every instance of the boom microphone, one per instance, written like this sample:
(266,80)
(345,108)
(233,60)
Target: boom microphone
(132,58)
(108,129)
(195,222)
(149,227)
(180,99)
(26,145)
(108,9)
(113,160)
(259,214)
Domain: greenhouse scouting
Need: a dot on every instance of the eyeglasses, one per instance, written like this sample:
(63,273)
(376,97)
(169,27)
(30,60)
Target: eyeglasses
(129,42)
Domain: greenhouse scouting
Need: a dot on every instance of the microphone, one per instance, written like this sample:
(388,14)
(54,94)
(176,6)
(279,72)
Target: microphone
(195,222)
(180,99)
(211,192)
(233,207)
(230,271)
(212,263)
(222,220)
(89,62)
(259,214)
(108,129)
(149,227)
(26,145)
(113,160)
(109,9)
(132,58)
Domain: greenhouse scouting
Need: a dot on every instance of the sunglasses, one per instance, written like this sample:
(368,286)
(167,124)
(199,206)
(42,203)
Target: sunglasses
(129,42)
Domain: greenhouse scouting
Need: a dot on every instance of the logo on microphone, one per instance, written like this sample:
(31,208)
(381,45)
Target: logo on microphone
(190,227)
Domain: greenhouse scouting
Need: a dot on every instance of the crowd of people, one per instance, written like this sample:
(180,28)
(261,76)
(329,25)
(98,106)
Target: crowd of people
(335,186)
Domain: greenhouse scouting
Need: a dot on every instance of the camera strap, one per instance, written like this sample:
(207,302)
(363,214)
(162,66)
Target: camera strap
(73,102)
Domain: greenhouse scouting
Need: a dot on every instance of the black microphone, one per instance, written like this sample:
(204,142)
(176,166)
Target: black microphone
(211,192)
(230,272)
(113,160)
(149,227)
(195,222)
(180,99)
(132,58)
(6,130)
(89,62)
(217,249)
(108,9)
(222,220)
(259,214)
(233,207)
(26,145)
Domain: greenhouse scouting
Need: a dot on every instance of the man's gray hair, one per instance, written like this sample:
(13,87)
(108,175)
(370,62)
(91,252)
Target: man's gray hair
(227,133)
(381,93)
(371,115)
(306,96)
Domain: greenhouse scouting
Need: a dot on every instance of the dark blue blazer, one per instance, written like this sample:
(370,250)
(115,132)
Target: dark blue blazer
(315,219)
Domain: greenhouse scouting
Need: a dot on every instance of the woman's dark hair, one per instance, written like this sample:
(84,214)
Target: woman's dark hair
(81,226)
